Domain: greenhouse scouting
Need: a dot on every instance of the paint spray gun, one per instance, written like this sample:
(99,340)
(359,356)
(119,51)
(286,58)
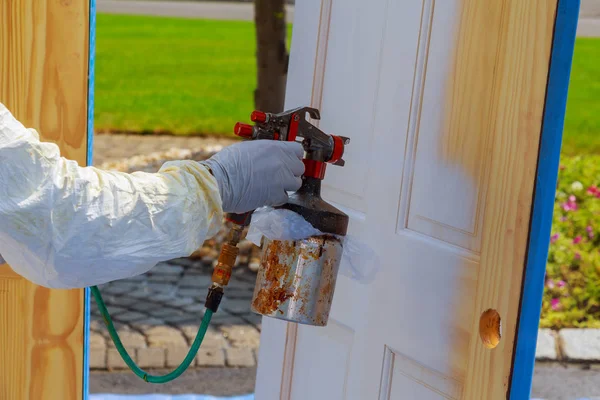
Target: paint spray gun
(296,279)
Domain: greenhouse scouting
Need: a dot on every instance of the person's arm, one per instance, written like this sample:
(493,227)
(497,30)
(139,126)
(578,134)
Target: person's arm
(64,226)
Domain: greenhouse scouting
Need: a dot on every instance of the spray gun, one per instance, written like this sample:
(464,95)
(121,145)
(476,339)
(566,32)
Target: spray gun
(296,279)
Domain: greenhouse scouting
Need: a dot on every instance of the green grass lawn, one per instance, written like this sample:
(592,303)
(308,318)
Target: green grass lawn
(176,75)
(198,76)
(582,125)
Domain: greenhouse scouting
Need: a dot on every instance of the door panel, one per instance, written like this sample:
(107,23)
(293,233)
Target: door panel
(434,171)
(404,378)
(44,82)
(335,348)
(354,48)
(443,102)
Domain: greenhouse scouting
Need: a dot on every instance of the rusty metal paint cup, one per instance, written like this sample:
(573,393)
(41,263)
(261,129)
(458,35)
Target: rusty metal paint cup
(296,279)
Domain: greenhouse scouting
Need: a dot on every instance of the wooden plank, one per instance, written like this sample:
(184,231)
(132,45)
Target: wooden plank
(43,81)
(495,106)
(43,69)
(547,175)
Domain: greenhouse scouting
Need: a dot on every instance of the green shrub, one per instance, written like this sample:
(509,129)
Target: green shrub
(572,293)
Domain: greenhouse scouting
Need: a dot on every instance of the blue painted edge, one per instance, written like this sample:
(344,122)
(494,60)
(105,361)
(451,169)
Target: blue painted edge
(91,80)
(86,344)
(543,202)
(89,156)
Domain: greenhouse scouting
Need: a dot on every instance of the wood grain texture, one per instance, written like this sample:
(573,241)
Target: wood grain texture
(496,106)
(565,31)
(43,81)
(43,68)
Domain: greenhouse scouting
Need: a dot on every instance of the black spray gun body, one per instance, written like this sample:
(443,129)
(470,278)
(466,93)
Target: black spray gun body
(296,279)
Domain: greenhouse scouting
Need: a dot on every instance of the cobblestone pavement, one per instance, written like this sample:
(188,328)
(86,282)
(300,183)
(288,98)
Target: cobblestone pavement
(157,314)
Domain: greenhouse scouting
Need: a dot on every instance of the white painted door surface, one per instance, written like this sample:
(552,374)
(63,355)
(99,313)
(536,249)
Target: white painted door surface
(443,102)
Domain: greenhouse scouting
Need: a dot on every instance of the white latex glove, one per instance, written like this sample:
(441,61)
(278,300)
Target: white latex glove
(257,173)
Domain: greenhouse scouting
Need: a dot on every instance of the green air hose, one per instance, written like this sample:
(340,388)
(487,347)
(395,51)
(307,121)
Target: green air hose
(131,364)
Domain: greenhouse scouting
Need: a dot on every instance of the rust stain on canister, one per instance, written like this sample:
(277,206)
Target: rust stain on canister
(296,280)
(277,289)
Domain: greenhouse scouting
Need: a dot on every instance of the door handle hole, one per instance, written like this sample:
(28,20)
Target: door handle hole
(490,328)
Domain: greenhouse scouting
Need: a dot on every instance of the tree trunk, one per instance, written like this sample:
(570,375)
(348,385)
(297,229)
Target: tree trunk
(271,55)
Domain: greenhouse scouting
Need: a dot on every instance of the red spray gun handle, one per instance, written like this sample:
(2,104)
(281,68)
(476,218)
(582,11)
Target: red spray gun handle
(320,148)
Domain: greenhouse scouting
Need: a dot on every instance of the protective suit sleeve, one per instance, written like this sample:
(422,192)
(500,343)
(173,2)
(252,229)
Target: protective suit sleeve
(66,226)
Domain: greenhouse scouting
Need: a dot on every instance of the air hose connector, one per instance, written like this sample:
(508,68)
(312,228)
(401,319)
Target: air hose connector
(213,298)
(225,263)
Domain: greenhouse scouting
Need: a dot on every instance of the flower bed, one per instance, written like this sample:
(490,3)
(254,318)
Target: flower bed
(572,294)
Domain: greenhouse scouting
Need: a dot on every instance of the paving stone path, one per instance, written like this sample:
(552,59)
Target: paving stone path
(157,316)
(577,346)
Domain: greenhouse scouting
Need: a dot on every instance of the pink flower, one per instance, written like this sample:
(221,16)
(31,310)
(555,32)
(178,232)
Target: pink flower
(563,219)
(590,231)
(570,205)
(561,284)
(577,240)
(554,238)
(577,256)
(555,304)
(550,284)
(594,191)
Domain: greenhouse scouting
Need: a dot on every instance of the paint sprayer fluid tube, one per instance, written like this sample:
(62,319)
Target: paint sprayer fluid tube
(131,364)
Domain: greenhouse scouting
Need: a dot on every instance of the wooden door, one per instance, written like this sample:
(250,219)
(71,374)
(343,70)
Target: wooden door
(444,104)
(44,54)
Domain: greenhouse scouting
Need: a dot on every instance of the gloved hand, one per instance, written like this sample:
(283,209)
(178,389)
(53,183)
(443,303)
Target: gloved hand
(254,174)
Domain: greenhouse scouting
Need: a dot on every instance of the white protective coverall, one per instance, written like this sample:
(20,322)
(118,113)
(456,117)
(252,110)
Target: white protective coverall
(64,226)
